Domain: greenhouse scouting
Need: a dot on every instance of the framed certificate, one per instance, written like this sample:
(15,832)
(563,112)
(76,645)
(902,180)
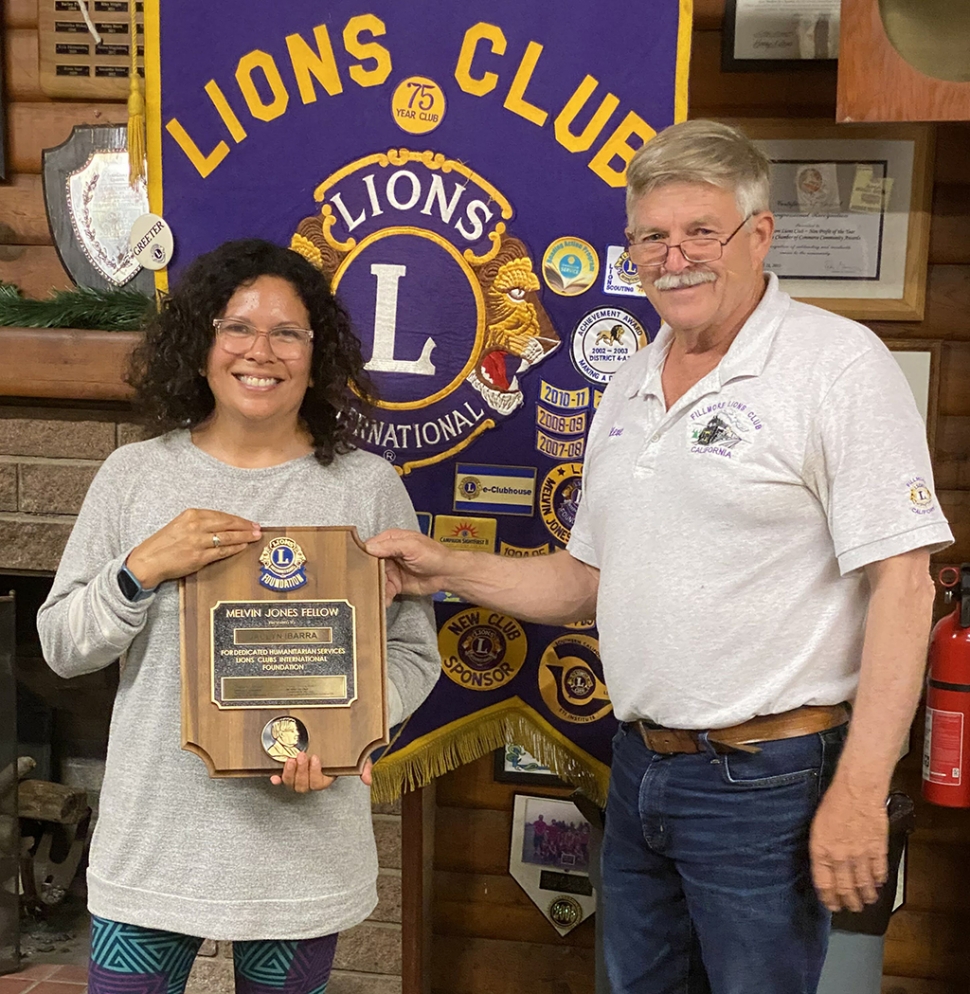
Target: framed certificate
(852,214)
(766,35)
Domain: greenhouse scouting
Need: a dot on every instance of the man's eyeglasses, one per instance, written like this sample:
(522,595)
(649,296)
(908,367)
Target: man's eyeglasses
(237,337)
(645,252)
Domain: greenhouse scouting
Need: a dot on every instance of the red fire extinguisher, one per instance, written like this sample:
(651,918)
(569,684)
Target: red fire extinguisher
(946,747)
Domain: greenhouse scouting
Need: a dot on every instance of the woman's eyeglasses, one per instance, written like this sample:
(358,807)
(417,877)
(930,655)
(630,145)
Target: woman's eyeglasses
(237,337)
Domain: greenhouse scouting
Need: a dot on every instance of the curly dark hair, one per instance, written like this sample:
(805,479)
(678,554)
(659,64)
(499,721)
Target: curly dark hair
(170,390)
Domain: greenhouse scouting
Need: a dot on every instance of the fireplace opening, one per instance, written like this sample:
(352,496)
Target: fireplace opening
(62,735)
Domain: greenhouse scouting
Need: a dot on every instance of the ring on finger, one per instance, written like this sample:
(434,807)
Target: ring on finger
(215,541)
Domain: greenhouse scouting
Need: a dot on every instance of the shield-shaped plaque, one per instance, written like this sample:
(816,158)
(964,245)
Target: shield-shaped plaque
(91,208)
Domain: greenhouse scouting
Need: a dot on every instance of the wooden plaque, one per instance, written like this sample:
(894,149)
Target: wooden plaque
(904,60)
(72,64)
(283,649)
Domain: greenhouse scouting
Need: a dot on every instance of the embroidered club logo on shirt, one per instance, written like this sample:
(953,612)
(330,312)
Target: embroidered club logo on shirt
(722,428)
(920,496)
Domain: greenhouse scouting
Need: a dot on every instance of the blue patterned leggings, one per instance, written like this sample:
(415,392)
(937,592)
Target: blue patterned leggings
(129,959)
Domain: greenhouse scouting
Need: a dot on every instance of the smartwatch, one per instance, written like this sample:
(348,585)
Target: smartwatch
(130,586)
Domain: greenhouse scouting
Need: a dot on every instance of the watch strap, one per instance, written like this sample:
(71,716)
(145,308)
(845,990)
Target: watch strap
(131,587)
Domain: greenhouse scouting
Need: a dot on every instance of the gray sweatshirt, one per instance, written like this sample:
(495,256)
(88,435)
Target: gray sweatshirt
(226,858)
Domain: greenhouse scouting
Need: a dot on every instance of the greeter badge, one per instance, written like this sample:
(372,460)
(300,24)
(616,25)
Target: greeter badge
(283,563)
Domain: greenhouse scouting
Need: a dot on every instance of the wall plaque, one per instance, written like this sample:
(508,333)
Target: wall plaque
(72,63)
(283,650)
(91,208)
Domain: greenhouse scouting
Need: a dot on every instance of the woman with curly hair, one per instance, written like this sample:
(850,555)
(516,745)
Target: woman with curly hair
(247,376)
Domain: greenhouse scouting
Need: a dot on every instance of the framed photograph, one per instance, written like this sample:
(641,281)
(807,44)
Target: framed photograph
(920,362)
(852,214)
(514,764)
(779,35)
(549,858)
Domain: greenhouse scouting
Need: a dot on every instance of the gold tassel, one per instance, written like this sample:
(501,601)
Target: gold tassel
(471,741)
(136,110)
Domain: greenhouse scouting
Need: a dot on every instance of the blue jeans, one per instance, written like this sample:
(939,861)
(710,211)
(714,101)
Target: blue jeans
(707,886)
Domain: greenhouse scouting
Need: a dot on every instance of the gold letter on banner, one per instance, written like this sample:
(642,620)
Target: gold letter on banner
(581,142)
(370,50)
(478,86)
(515,100)
(244,77)
(204,163)
(319,64)
(617,144)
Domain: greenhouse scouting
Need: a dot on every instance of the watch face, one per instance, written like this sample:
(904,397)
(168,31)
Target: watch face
(129,586)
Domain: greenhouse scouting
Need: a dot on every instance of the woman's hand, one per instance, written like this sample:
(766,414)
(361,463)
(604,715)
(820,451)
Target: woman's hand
(304,774)
(187,543)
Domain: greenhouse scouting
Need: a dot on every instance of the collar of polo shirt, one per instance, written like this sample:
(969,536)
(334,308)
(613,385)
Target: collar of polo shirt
(746,356)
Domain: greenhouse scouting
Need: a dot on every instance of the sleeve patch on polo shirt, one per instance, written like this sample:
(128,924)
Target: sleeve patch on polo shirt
(722,428)
(921,499)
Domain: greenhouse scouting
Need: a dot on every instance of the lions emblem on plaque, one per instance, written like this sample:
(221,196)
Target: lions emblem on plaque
(284,737)
(282,561)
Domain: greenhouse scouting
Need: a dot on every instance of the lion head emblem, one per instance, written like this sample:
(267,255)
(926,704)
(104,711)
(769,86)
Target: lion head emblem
(518,332)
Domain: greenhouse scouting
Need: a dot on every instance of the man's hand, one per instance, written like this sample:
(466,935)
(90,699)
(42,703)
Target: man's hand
(304,773)
(848,846)
(414,564)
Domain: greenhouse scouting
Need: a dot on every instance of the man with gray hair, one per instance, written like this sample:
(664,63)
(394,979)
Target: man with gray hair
(754,537)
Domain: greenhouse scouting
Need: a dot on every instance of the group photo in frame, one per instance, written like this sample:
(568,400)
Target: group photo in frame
(852,210)
(550,858)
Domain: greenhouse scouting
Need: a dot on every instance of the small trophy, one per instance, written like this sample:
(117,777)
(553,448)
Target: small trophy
(283,651)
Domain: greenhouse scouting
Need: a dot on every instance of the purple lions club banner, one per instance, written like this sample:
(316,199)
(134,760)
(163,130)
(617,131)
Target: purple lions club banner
(457,170)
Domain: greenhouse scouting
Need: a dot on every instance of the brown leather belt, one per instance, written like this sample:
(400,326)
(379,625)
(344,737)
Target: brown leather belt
(764,728)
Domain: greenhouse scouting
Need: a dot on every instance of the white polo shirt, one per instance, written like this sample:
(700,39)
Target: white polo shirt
(730,531)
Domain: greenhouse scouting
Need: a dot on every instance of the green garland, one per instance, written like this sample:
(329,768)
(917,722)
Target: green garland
(82,307)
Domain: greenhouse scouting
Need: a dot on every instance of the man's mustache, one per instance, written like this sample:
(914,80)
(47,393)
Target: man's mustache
(689,277)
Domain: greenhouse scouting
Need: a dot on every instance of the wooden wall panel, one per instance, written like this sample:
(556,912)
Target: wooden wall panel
(23,219)
(955,379)
(36,269)
(753,94)
(21,69)
(488,935)
(20,13)
(487,966)
(32,127)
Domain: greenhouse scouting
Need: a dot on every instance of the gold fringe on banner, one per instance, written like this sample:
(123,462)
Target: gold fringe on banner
(136,108)
(468,739)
